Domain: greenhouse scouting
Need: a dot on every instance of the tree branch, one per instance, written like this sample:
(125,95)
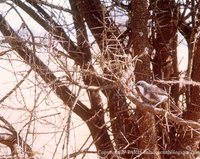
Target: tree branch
(55,29)
(13,140)
(157,111)
(45,73)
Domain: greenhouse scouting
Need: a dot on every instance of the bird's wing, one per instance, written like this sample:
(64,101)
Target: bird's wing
(157,90)
(157,94)
(147,96)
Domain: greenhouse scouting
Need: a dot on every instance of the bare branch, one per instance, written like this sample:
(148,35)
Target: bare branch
(38,66)
(17,86)
(157,111)
(14,140)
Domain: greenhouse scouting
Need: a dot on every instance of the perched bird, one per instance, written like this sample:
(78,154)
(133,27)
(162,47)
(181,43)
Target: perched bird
(151,93)
(154,95)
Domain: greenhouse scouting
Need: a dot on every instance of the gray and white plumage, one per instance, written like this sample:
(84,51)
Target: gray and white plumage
(154,95)
(151,93)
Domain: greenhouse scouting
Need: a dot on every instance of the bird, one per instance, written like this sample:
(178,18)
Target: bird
(154,95)
(150,93)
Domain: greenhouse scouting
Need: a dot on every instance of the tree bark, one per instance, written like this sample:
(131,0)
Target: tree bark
(140,45)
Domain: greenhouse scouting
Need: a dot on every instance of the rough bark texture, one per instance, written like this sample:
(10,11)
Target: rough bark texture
(140,45)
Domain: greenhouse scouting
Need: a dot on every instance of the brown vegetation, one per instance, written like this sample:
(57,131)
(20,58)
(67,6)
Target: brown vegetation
(109,54)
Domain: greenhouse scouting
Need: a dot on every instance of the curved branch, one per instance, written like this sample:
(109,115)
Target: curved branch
(13,140)
(45,73)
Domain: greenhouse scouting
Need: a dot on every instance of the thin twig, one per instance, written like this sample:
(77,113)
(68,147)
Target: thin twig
(17,86)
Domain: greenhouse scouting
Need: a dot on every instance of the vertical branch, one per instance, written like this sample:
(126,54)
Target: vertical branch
(191,49)
(165,40)
(146,121)
(94,96)
(140,44)
(81,33)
